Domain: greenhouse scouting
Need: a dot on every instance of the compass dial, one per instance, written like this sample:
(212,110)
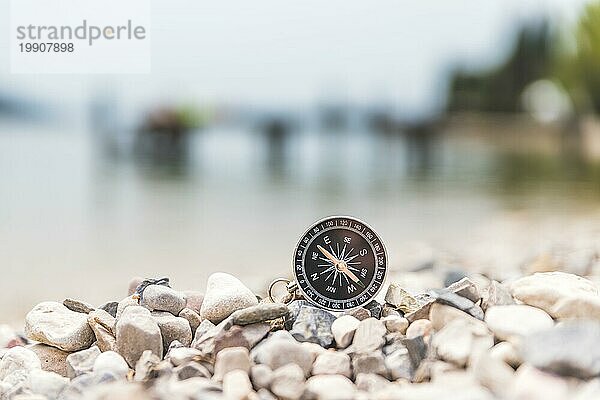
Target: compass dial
(340,263)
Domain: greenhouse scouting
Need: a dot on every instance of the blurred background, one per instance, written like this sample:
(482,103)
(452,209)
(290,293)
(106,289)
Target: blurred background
(466,133)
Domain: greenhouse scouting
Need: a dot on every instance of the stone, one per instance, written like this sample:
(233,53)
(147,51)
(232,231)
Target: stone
(18,359)
(532,384)
(417,350)
(137,331)
(369,363)
(459,339)
(371,383)
(359,313)
(440,315)
(236,385)
(192,317)
(51,358)
(420,327)
(332,362)
(343,329)
(202,329)
(293,310)
(395,323)
(144,367)
(259,313)
(585,306)
(512,322)
(261,376)
(54,324)
(507,352)
(81,362)
(314,349)
(375,308)
(459,302)
(245,336)
(399,365)
(388,311)
(466,288)
(48,384)
(330,387)
(264,394)
(172,328)
(224,295)
(182,355)
(492,373)
(545,289)
(279,350)
(369,336)
(193,300)
(288,382)
(110,307)
(111,361)
(496,294)
(162,298)
(401,299)
(313,325)
(191,370)
(133,284)
(102,324)
(123,304)
(568,349)
(78,306)
(231,358)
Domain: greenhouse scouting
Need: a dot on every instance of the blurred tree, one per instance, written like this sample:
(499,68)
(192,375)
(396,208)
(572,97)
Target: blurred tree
(500,89)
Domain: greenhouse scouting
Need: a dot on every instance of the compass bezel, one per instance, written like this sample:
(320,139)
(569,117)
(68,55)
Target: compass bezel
(329,303)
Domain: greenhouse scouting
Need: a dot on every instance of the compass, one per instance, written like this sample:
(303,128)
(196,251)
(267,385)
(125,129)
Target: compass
(340,263)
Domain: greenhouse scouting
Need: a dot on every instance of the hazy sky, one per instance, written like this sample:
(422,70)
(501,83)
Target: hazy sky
(275,52)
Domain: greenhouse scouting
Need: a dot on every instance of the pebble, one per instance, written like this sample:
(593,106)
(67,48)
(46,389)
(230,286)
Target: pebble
(288,382)
(343,329)
(18,359)
(395,323)
(420,327)
(246,336)
(182,355)
(54,324)
(236,385)
(102,324)
(147,362)
(110,307)
(512,322)
(369,363)
(111,361)
(532,384)
(163,298)
(459,302)
(375,308)
(496,294)
(192,317)
(465,287)
(440,315)
(492,373)
(81,362)
(401,299)
(261,376)
(231,358)
(359,313)
(369,336)
(279,350)
(78,306)
(459,339)
(51,358)
(133,284)
(399,365)
(545,289)
(313,325)
(330,387)
(585,306)
(569,349)
(48,384)
(508,353)
(370,383)
(224,295)
(293,310)
(172,328)
(137,331)
(259,313)
(193,300)
(123,304)
(332,362)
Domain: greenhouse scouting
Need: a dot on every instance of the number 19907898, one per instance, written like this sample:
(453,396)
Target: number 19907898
(48,47)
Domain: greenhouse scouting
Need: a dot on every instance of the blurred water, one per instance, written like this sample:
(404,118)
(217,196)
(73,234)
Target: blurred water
(78,220)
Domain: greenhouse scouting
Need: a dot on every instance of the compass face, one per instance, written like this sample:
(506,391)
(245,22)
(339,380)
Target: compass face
(340,263)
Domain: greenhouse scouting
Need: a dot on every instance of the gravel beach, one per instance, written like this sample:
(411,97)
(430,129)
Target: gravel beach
(531,336)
